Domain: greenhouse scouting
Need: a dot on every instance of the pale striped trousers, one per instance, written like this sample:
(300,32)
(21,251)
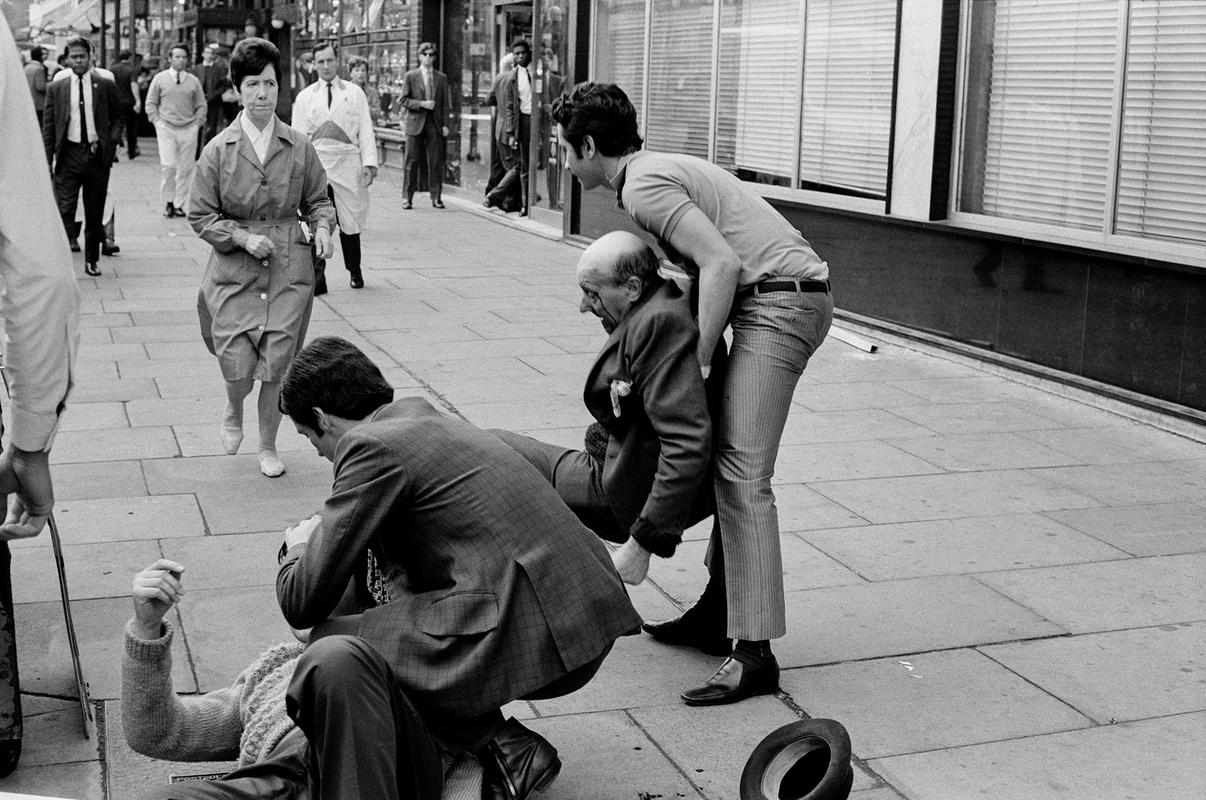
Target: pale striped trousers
(774,335)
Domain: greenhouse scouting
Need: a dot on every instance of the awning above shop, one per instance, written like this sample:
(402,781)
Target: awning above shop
(84,18)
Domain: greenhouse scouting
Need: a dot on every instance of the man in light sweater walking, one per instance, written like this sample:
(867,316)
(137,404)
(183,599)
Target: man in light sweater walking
(176,107)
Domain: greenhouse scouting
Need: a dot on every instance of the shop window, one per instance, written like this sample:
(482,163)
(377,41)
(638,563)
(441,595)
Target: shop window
(680,77)
(619,47)
(1087,115)
(755,115)
(849,57)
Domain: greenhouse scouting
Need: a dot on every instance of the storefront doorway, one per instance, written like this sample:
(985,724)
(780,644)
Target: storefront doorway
(490,29)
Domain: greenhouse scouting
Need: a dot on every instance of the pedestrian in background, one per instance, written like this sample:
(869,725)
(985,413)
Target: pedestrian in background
(427,101)
(358,70)
(35,75)
(79,133)
(129,97)
(176,107)
(40,306)
(335,114)
(258,289)
(500,157)
(754,273)
(215,80)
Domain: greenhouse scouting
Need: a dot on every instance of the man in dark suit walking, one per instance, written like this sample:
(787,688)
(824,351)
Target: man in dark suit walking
(215,80)
(427,102)
(492,589)
(80,130)
(129,97)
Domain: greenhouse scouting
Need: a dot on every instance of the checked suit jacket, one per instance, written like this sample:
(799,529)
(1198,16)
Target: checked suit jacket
(502,590)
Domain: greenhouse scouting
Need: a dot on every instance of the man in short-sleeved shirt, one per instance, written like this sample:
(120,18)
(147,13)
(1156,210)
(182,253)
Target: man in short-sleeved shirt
(755,274)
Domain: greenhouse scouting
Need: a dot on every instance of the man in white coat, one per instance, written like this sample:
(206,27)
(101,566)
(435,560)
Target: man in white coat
(334,113)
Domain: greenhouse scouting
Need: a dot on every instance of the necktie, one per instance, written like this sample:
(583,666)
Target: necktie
(177,78)
(83,115)
(328,95)
(426,85)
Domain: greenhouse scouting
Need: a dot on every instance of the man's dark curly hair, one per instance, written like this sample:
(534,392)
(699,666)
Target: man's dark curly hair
(332,374)
(601,111)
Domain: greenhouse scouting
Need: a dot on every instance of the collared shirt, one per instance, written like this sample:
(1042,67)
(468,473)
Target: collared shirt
(523,79)
(73,125)
(40,304)
(349,110)
(260,139)
(179,105)
(428,84)
(657,189)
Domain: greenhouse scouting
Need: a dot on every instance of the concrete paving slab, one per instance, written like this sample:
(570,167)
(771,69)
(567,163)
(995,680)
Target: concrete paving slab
(567,366)
(105,321)
(158,333)
(114,519)
(804,567)
(970,388)
(976,452)
(836,363)
(1146,759)
(652,602)
(199,371)
(194,349)
(928,701)
(205,439)
(185,410)
(230,560)
(93,416)
(591,745)
(1119,443)
(923,497)
(234,496)
(1117,676)
(116,444)
(406,351)
(1130,484)
(586,343)
(79,780)
(56,737)
(1143,530)
(958,546)
(533,388)
(976,418)
(845,623)
(93,570)
(848,426)
(46,657)
(111,352)
(131,775)
(119,390)
(551,412)
(840,461)
(851,396)
(86,481)
(801,508)
(711,745)
(1112,595)
(228,629)
(92,336)
(626,679)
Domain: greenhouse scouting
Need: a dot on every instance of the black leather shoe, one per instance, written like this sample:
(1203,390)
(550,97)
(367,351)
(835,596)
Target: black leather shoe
(10,754)
(686,632)
(407,205)
(517,762)
(91,268)
(74,244)
(437,203)
(110,249)
(357,280)
(488,203)
(320,285)
(739,677)
(169,211)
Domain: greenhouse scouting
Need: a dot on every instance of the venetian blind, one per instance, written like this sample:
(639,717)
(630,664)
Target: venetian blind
(760,46)
(1049,110)
(619,47)
(849,48)
(1162,161)
(680,79)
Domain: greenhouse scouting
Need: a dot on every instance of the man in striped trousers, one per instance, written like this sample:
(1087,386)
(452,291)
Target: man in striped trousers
(756,274)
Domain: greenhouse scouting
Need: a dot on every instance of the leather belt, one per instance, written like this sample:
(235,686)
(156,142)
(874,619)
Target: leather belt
(784,285)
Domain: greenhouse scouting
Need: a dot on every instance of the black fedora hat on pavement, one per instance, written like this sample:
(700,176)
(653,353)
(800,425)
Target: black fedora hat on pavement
(806,760)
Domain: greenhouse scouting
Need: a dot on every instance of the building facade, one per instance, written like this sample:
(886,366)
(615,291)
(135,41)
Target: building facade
(1024,178)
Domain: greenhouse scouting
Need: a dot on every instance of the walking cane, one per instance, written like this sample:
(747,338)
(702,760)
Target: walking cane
(81,685)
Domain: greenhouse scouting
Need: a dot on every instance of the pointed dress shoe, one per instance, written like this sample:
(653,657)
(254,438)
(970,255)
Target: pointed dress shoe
(517,762)
(686,632)
(739,677)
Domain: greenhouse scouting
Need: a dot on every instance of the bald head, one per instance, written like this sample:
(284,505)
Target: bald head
(614,273)
(619,255)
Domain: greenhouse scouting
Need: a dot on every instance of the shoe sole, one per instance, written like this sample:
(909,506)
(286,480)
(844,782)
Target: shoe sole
(713,650)
(725,700)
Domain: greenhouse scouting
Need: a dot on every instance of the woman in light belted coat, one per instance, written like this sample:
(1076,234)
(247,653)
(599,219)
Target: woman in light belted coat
(252,182)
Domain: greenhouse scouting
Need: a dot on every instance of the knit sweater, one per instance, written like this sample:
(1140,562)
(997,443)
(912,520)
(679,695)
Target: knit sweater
(244,720)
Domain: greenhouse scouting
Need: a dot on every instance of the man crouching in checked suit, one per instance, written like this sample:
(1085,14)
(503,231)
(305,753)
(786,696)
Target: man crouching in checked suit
(495,590)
